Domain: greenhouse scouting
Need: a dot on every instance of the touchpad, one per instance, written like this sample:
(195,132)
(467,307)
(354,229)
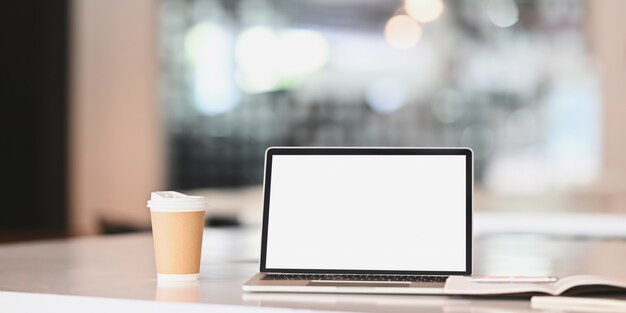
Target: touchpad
(342,283)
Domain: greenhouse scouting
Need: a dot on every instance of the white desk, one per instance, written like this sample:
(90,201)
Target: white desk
(122,267)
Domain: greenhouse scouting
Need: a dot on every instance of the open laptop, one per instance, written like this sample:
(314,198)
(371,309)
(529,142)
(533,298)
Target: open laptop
(365,220)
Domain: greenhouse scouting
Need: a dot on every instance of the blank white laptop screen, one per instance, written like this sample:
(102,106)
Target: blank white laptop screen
(367,212)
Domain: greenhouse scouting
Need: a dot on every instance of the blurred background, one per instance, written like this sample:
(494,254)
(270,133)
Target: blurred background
(106,101)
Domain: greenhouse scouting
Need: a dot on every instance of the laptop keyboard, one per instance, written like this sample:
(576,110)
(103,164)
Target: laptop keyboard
(353,277)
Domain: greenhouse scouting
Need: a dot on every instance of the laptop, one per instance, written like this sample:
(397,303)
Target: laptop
(365,220)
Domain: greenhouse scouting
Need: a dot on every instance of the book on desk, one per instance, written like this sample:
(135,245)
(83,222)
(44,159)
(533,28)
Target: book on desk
(568,286)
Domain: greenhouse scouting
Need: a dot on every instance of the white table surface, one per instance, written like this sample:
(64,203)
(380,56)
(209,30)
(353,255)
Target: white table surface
(122,267)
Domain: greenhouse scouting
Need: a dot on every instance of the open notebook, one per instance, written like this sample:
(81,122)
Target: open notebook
(572,285)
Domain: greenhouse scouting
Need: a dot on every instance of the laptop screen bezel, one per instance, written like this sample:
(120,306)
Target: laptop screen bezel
(272,151)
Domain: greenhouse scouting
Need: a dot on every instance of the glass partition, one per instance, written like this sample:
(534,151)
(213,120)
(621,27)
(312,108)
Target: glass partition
(514,80)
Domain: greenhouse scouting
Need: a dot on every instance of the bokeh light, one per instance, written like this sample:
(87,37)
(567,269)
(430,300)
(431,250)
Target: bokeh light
(424,11)
(386,95)
(302,52)
(402,32)
(268,60)
(503,13)
(257,60)
(206,47)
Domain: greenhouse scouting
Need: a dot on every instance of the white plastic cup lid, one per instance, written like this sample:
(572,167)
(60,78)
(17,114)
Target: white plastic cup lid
(172,201)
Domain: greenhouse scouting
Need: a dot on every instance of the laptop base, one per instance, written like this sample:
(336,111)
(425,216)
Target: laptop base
(258,284)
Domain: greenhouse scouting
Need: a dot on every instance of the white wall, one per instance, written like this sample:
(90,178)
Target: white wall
(607,31)
(116,135)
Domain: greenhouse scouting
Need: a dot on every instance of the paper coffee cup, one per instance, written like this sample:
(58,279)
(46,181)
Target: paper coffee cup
(177,226)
